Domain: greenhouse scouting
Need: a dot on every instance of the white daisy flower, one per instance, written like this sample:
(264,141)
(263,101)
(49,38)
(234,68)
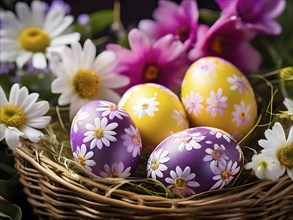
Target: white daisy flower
(192,103)
(216,103)
(238,83)
(220,134)
(224,173)
(21,116)
(100,133)
(34,33)
(115,171)
(216,155)
(111,109)
(80,116)
(180,117)
(265,167)
(277,147)
(132,140)
(146,106)
(241,114)
(189,141)
(181,180)
(83,157)
(156,164)
(83,77)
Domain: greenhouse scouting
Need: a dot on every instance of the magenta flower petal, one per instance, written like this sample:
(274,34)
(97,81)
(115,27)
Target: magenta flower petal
(163,61)
(255,15)
(139,42)
(225,40)
(170,18)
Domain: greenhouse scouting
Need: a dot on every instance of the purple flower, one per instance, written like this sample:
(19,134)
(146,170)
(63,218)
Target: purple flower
(163,62)
(170,18)
(60,3)
(6,67)
(83,19)
(223,39)
(255,15)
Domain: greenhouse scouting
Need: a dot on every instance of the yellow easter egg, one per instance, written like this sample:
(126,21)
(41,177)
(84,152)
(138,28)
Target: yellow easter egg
(156,111)
(215,93)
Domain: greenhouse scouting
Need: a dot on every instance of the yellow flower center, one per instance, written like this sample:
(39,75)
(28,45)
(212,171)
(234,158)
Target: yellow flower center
(11,115)
(155,163)
(216,104)
(151,73)
(242,115)
(187,138)
(114,175)
(215,155)
(135,139)
(217,45)
(180,182)
(86,84)
(113,108)
(145,105)
(99,133)
(285,156)
(263,165)
(81,160)
(225,174)
(34,39)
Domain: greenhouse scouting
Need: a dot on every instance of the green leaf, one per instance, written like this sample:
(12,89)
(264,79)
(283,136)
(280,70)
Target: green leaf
(10,188)
(98,21)
(9,211)
(208,16)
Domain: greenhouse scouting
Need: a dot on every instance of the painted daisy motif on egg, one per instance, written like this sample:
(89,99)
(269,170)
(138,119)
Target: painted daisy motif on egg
(192,102)
(216,103)
(180,181)
(116,170)
(156,164)
(224,173)
(84,158)
(101,133)
(220,134)
(204,65)
(146,106)
(132,140)
(180,117)
(112,110)
(238,83)
(188,141)
(241,115)
(216,155)
(80,116)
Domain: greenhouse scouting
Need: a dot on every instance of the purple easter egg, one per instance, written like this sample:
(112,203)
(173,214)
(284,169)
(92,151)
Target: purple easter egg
(105,140)
(196,160)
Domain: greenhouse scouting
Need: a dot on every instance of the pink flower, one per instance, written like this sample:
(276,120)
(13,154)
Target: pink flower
(170,18)
(223,39)
(256,15)
(241,114)
(216,102)
(161,62)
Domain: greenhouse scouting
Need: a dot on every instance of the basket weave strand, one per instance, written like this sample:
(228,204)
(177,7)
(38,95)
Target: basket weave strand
(56,193)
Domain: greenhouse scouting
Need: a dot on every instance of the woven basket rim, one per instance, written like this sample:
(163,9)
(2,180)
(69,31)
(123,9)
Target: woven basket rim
(277,193)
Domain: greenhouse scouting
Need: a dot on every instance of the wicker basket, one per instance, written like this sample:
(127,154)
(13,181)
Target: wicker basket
(56,193)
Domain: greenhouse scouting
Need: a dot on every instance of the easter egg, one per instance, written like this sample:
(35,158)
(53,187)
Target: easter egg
(215,93)
(105,140)
(196,160)
(156,111)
